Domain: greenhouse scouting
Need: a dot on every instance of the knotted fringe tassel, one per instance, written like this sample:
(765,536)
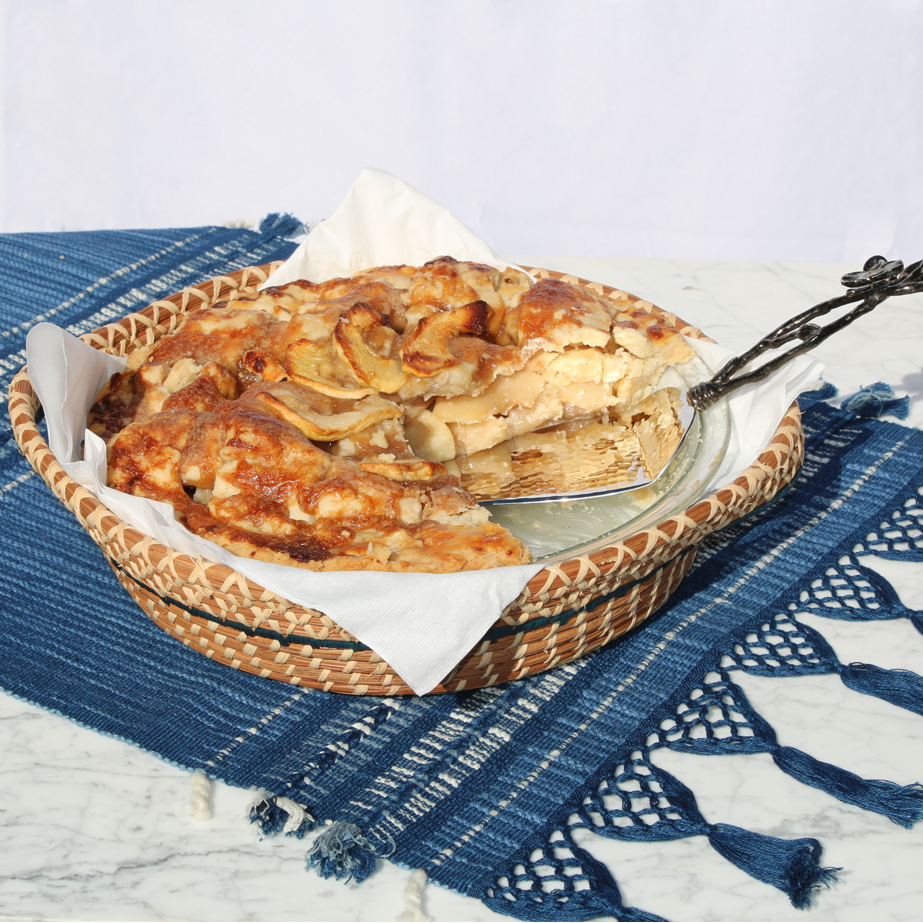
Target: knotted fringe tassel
(274,814)
(413,900)
(198,806)
(877,400)
(899,687)
(791,866)
(276,225)
(902,804)
(341,851)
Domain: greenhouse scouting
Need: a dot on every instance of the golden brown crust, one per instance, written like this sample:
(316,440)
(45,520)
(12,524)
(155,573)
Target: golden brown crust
(265,491)
(559,314)
(307,424)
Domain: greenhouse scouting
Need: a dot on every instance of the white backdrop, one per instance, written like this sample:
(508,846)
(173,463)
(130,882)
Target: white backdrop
(770,129)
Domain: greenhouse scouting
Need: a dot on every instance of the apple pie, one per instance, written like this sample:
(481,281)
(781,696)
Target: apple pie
(322,425)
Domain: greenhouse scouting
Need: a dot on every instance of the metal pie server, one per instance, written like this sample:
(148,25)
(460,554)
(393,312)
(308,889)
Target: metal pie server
(571,462)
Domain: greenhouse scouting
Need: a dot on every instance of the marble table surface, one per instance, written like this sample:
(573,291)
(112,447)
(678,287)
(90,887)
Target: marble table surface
(95,829)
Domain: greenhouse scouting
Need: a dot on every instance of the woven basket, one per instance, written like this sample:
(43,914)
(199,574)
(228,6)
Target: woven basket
(567,609)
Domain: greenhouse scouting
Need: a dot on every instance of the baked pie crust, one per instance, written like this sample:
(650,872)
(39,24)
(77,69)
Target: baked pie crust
(322,425)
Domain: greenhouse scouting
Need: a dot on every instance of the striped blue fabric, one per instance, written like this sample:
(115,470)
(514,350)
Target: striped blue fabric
(484,790)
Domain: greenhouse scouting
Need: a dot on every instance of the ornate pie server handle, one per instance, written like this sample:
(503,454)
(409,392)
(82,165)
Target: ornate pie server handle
(879,279)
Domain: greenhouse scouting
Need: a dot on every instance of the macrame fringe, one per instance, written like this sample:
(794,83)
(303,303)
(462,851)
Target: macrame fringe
(276,225)
(601,898)
(903,688)
(877,400)
(275,814)
(342,852)
(791,866)
(902,804)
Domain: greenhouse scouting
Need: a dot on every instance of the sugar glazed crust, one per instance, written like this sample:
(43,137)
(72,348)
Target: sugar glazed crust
(317,424)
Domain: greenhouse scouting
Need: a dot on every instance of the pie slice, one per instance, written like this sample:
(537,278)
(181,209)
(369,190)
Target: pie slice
(251,482)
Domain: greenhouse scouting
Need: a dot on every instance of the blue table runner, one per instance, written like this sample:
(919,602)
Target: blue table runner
(484,790)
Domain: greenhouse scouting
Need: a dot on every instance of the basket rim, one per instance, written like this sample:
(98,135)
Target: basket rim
(148,324)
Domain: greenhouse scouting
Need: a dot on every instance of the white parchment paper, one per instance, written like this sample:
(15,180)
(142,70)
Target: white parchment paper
(421,624)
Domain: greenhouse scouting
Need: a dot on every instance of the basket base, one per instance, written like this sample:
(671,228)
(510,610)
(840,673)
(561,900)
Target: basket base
(538,645)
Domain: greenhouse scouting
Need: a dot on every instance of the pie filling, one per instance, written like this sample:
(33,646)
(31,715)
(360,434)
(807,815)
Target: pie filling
(325,425)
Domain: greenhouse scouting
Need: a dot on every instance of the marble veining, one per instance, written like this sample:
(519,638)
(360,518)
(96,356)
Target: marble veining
(95,829)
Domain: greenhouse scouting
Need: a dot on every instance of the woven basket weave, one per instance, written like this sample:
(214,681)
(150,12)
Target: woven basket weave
(567,609)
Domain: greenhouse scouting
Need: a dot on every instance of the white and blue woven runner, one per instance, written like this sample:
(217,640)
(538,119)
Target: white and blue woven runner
(483,790)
